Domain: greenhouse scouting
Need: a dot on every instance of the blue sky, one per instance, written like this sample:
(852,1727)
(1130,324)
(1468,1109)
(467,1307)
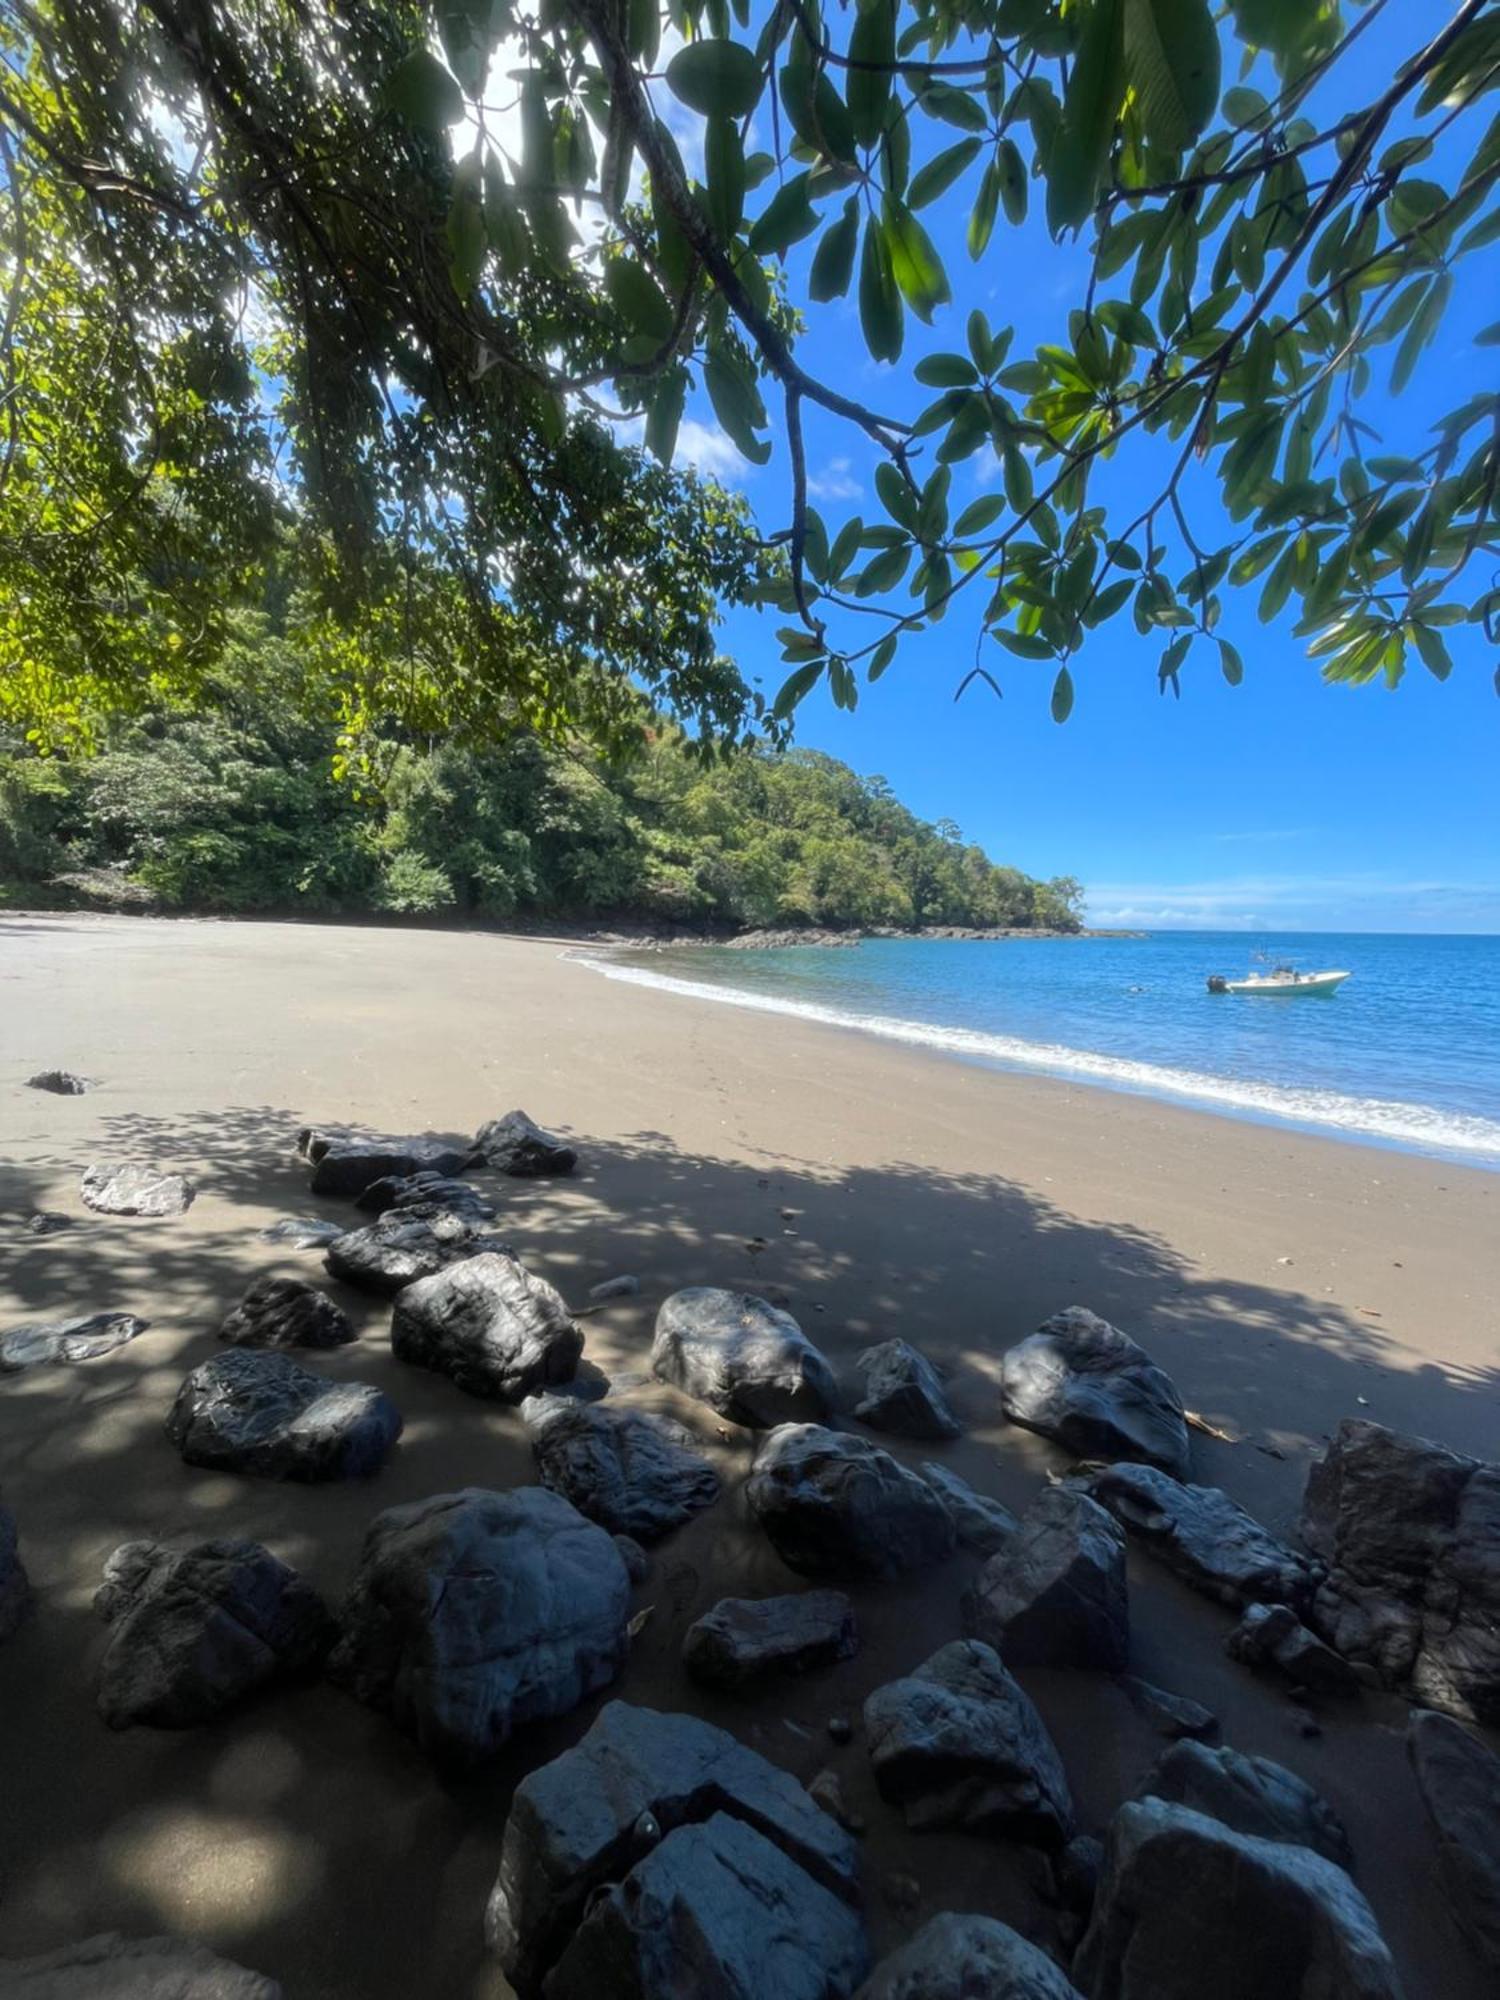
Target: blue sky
(1282,804)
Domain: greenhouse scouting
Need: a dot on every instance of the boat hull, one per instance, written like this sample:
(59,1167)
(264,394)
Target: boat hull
(1313,983)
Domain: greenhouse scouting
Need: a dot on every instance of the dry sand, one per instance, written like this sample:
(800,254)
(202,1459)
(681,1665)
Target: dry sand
(1284,1281)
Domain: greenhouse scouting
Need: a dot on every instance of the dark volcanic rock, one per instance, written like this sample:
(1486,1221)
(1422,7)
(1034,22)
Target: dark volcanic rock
(1411,1534)
(982,1524)
(1204,1536)
(903,1394)
(1187,1907)
(47,1222)
(517,1145)
(196,1630)
(15,1590)
(67,1340)
(404,1246)
(343,1165)
(132,1189)
(746,1359)
(832,1504)
(490,1326)
(1273,1639)
(1083,1382)
(1459,1779)
(1251,1794)
(967,1958)
(745,1639)
(111,1967)
(286,1312)
(714,1909)
(1055,1595)
(61,1082)
(958,1743)
(474,1613)
(637,1562)
(1169,1714)
(302,1232)
(425,1192)
(633,1472)
(254,1410)
(592,1814)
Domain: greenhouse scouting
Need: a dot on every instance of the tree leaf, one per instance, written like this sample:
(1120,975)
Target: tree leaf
(724,163)
(737,405)
(1172,65)
(946,371)
(982,215)
(1062,695)
(880,314)
(979,514)
(795,688)
(939,174)
(1096,90)
(786,219)
(1230,663)
(717,77)
(1011,169)
(423,92)
(637,298)
(664,415)
(882,656)
(833,261)
(467,237)
(915,264)
(872,40)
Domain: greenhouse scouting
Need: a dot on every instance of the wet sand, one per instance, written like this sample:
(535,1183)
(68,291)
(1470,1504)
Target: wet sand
(1284,1281)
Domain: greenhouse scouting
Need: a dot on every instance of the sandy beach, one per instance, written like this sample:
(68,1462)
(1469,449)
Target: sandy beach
(1284,1282)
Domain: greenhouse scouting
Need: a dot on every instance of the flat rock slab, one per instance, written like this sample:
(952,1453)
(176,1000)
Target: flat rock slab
(111,1967)
(404,1246)
(1204,1537)
(588,1817)
(1183,1898)
(903,1394)
(425,1192)
(1092,1388)
(744,1640)
(302,1232)
(1459,1779)
(132,1189)
(474,1613)
(1411,1535)
(1055,1595)
(517,1145)
(344,1165)
(714,1909)
(967,1958)
(67,1340)
(256,1411)
(286,1312)
(1272,1639)
(195,1631)
(982,1524)
(1251,1794)
(489,1325)
(1174,1715)
(832,1504)
(15,1590)
(959,1743)
(745,1358)
(60,1082)
(631,1471)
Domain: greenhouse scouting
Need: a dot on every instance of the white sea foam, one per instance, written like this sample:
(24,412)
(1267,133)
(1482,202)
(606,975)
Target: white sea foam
(1420,1127)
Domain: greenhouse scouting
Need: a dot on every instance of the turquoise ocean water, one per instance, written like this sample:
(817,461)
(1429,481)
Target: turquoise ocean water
(1407,1054)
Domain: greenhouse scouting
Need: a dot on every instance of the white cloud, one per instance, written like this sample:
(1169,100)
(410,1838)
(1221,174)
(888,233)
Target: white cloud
(836,481)
(1291,903)
(709,450)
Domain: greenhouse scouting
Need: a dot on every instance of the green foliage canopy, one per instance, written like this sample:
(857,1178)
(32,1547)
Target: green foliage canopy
(387,281)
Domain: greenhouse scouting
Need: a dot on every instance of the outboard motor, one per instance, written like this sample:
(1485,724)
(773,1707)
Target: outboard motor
(1217,983)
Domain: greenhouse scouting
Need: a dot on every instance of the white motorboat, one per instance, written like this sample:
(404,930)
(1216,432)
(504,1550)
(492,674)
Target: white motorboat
(1281,981)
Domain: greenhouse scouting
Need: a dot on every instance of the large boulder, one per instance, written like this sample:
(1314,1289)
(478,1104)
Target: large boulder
(980,1522)
(345,1165)
(131,1188)
(196,1630)
(1272,1639)
(593,1814)
(1187,1906)
(958,1742)
(713,1909)
(517,1145)
(15,1590)
(405,1245)
(1251,1794)
(1204,1537)
(489,1325)
(967,1958)
(1411,1534)
(1459,1779)
(67,1340)
(111,1967)
(746,1359)
(1055,1595)
(301,1232)
(837,1505)
(1081,1381)
(903,1394)
(744,1640)
(286,1312)
(257,1411)
(424,1193)
(474,1613)
(633,1472)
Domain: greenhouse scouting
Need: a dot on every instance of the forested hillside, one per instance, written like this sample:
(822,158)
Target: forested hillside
(236,808)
